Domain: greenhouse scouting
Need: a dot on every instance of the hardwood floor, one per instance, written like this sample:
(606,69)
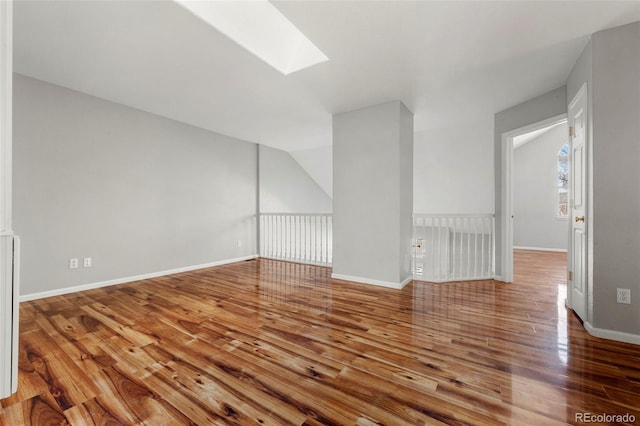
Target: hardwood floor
(267,342)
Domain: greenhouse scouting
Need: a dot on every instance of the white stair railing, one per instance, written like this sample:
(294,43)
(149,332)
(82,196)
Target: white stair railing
(453,247)
(294,237)
(449,247)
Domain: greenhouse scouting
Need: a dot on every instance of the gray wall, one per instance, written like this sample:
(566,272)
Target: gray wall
(136,192)
(546,106)
(373,192)
(535,194)
(405,193)
(317,162)
(616,176)
(463,154)
(285,187)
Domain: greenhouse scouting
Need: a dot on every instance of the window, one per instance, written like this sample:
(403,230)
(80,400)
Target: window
(563,181)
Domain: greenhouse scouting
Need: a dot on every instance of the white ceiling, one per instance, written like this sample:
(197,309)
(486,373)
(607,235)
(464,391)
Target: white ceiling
(446,60)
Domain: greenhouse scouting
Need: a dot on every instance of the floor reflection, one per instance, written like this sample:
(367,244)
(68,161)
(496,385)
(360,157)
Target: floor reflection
(562,340)
(262,338)
(435,304)
(296,285)
(515,345)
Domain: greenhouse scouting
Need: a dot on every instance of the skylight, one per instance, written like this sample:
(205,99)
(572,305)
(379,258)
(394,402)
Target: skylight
(260,28)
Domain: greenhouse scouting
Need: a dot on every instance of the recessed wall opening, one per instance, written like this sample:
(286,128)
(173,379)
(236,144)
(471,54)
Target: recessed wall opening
(531,195)
(540,190)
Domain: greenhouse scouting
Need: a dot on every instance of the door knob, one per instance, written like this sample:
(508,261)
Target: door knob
(579,218)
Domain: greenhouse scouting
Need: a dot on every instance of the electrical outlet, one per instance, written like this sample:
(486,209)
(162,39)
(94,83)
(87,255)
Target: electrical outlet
(73,263)
(239,243)
(624,295)
(86,262)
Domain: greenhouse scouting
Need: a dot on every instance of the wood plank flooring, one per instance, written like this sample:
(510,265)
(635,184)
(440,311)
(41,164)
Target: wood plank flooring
(275,343)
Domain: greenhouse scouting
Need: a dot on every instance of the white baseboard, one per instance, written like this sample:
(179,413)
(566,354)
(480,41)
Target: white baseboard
(498,278)
(90,286)
(361,280)
(540,249)
(620,336)
(426,280)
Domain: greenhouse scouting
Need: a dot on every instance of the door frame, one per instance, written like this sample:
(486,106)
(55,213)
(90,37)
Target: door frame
(506,223)
(8,243)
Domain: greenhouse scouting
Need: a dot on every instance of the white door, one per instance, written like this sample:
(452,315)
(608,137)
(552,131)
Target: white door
(577,284)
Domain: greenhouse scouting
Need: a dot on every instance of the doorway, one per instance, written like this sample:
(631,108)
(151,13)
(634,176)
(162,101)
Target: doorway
(541,188)
(525,134)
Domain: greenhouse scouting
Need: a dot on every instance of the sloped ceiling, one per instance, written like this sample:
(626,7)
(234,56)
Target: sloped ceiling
(520,140)
(446,60)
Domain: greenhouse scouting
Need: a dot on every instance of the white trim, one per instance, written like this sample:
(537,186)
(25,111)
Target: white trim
(8,301)
(8,308)
(406,281)
(506,223)
(91,286)
(6,115)
(302,262)
(362,280)
(16,311)
(480,278)
(540,249)
(619,336)
(498,278)
(537,125)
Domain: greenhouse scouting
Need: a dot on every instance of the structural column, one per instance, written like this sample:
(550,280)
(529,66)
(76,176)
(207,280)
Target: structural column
(373,195)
